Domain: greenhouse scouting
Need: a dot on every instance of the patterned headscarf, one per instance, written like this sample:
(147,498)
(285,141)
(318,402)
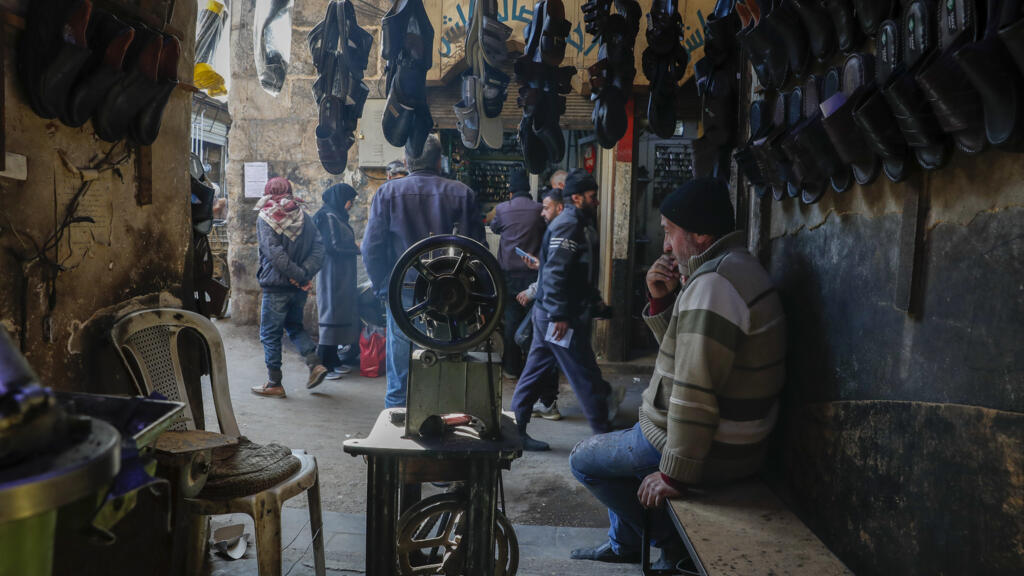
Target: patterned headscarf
(281,210)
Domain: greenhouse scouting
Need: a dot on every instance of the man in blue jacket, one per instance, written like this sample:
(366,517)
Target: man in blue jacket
(291,254)
(567,298)
(403,212)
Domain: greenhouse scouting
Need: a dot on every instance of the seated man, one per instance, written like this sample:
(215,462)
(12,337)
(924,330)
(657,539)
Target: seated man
(712,400)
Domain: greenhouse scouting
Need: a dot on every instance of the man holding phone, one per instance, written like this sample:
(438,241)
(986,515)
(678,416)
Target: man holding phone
(519,223)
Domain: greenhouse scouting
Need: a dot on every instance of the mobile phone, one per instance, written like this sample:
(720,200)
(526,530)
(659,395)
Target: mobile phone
(525,254)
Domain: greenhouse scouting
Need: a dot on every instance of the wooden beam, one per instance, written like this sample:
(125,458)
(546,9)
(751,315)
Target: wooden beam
(908,274)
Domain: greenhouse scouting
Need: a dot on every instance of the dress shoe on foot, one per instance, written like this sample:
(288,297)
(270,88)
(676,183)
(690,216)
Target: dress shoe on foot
(317,374)
(532,444)
(604,553)
(270,390)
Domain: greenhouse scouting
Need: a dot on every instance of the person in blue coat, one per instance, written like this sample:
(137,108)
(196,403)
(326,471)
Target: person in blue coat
(336,295)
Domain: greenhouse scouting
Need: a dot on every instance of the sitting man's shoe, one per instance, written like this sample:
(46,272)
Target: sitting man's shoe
(547,412)
(604,553)
(334,374)
(270,389)
(675,558)
(317,373)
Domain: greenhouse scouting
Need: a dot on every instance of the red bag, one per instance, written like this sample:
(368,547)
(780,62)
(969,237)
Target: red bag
(372,352)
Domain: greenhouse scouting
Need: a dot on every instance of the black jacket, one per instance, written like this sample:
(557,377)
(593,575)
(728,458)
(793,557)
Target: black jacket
(282,259)
(567,281)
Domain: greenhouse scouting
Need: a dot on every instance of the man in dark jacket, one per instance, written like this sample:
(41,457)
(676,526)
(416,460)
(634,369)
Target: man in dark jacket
(336,295)
(519,223)
(403,212)
(290,256)
(566,296)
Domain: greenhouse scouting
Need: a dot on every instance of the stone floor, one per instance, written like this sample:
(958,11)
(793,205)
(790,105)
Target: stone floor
(552,512)
(543,550)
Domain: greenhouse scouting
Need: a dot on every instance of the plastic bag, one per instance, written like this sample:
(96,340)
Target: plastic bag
(272,42)
(208,34)
(372,352)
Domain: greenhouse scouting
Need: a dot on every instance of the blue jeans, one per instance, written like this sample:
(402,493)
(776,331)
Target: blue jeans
(398,349)
(612,466)
(282,312)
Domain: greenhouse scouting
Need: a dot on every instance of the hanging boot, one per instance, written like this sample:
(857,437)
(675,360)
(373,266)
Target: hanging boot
(821,35)
(871,13)
(837,110)
(848,33)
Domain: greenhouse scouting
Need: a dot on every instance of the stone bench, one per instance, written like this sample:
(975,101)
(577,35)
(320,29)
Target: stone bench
(743,529)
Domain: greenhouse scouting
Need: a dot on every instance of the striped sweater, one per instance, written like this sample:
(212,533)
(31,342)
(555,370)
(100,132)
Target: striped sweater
(712,400)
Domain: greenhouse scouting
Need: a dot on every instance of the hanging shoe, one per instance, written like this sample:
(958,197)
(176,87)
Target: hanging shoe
(114,117)
(146,127)
(109,39)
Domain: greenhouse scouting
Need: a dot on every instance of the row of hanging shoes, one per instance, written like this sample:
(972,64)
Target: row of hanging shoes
(341,52)
(407,43)
(543,83)
(611,77)
(77,63)
(664,63)
(484,84)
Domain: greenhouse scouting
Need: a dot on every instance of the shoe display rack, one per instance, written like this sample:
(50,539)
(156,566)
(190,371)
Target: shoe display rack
(673,163)
(485,171)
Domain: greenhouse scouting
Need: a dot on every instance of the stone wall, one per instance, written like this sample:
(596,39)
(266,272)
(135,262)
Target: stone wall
(280,131)
(134,255)
(901,436)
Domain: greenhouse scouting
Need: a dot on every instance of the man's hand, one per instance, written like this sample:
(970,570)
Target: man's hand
(523,298)
(663,277)
(654,490)
(560,329)
(532,262)
(307,287)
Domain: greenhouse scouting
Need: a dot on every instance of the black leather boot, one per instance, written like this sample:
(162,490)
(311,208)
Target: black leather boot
(793,35)
(848,35)
(821,35)
(764,49)
(871,13)
(989,67)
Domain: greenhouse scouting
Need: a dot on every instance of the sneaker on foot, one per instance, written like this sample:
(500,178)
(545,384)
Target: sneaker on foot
(270,390)
(615,398)
(334,374)
(317,374)
(547,412)
(343,369)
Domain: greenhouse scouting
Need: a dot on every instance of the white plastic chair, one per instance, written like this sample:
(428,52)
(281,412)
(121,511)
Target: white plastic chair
(148,343)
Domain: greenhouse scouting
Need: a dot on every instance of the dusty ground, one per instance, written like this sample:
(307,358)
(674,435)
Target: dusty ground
(539,489)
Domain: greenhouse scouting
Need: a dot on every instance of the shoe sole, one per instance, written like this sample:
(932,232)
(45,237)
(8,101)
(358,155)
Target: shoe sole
(265,395)
(317,381)
(548,416)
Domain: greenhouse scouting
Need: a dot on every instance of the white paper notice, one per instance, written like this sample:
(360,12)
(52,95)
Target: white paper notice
(550,336)
(255,179)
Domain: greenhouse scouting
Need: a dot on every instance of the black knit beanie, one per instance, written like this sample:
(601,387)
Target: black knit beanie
(701,206)
(518,181)
(577,182)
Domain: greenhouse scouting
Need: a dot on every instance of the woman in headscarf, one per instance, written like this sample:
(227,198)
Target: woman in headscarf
(336,294)
(290,256)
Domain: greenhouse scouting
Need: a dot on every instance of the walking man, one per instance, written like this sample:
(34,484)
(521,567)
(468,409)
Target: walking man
(336,295)
(713,397)
(290,256)
(518,221)
(566,297)
(403,212)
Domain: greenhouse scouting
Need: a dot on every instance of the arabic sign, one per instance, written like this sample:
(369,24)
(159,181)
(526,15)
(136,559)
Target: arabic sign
(451,17)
